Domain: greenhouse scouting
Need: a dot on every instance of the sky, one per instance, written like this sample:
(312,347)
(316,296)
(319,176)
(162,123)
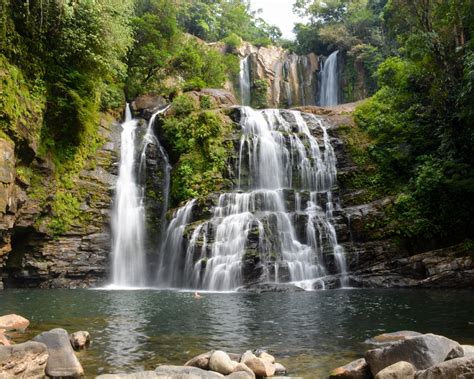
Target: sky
(279,13)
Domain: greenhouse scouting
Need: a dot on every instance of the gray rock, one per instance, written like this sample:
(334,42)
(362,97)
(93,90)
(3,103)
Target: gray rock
(80,340)
(240,375)
(243,367)
(201,361)
(399,370)
(62,361)
(25,360)
(185,372)
(468,350)
(422,352)
(221,363)
(358,369)
(459,368)
(280,369)
(138,375)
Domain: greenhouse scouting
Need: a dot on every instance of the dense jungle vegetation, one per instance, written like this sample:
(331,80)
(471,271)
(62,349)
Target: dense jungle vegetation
(64,61)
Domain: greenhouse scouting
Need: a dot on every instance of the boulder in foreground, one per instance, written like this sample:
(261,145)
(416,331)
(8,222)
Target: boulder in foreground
(25,360)
(62,361)
(459,368)
(399,370)
(422,352)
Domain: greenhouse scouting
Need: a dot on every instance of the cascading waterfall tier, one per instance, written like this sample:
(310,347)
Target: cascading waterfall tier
(286,173)
(129,265)
(329,94)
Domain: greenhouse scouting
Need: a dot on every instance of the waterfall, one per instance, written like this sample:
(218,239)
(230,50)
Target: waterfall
(128,255)
(244,79)
(280,158)
(129,266)
(329,95)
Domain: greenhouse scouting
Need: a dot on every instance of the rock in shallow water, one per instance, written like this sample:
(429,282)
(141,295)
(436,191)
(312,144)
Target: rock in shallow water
(25,360)
(358,369)
(399,370)
(62,361)
(422,352)
(80,340)
(13,322)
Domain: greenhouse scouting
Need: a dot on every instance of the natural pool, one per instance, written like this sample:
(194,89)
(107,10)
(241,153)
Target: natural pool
(309,332)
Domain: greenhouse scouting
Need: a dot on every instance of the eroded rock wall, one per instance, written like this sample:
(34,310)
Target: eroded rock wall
(32,256)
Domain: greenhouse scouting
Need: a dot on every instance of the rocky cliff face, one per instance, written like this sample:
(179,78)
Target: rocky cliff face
(32,256)
(280,78)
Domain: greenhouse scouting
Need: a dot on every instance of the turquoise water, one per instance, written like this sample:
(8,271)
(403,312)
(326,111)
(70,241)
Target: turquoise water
(309,332)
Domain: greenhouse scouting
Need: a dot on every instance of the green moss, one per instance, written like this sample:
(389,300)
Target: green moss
(199,143)
(367,177)
(259,94)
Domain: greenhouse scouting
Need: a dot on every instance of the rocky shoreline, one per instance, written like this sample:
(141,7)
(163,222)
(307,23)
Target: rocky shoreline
(397,355)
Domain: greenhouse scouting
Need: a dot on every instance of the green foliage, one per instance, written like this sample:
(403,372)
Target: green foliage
(232,41)
(223,19)
(420,120)
(259,94)
(198,144)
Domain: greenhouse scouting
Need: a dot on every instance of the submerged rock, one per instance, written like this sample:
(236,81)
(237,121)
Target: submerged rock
(62,361)
(13,322)
(358,369)
(80,340)
(25,360)
(137,375)
(387,338)
(399,370)
(270,287)
(422,352)
(459,368)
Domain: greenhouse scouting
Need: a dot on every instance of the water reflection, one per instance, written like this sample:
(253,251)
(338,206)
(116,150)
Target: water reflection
(124,337)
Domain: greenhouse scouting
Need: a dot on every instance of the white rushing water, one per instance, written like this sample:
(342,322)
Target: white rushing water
(128,255)
(329,95)
(244,80)
(279,158)
(129,266)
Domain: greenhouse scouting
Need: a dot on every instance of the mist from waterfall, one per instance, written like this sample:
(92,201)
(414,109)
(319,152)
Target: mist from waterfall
(329,94)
